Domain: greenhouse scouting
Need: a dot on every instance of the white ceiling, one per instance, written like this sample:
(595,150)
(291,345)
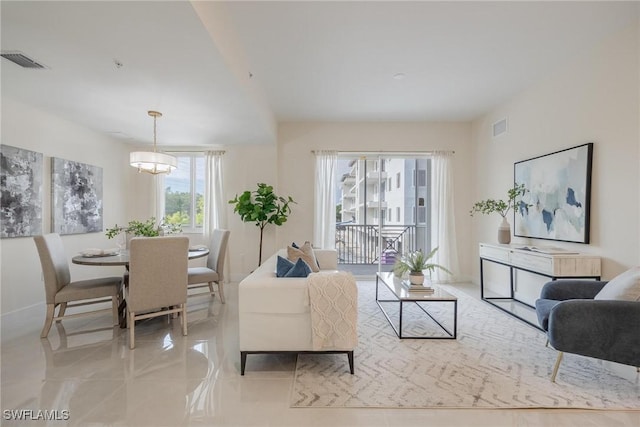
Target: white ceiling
(226,73)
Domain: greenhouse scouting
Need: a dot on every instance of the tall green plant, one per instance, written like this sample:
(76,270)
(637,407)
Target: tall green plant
(262,207)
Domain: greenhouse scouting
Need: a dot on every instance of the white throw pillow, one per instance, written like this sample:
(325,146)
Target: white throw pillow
(625,286)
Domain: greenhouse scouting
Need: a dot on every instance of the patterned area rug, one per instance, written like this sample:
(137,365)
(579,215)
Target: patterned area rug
(497,361)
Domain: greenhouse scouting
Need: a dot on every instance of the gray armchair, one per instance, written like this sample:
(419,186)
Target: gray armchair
(576,323)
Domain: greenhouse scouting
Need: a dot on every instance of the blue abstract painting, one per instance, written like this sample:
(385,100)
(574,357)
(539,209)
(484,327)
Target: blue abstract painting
(558,193)
(76,197)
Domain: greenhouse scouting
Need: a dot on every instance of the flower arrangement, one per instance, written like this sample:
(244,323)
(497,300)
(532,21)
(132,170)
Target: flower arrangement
(146,228)
(500,206)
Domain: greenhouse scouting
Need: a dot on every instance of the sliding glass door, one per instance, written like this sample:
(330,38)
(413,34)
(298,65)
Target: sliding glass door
(382,210)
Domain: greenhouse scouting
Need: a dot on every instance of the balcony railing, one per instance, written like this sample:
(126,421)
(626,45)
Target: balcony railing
(359,244)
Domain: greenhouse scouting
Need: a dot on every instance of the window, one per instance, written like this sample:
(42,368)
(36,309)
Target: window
(398,179)
(422,215)
(422,178)
(397,214)
(184,193)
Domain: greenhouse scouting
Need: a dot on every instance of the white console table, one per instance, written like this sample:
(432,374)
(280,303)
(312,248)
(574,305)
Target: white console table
(544,261)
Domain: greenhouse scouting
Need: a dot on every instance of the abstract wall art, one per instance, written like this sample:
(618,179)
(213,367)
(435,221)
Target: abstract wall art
(76,197)
(21,173)
(558,195)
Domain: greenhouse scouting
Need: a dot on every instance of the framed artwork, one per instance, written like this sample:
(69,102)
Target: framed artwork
(558,195)
(76,197)
(21,173)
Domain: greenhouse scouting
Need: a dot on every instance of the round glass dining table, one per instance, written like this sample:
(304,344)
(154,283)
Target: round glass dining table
(122,258)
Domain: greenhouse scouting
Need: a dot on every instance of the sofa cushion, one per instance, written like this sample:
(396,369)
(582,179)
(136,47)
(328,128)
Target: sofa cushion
(299,269)
(286,268)
(306,253)
(283,266)
(625,286)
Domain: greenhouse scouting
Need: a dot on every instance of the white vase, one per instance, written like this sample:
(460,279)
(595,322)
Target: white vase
(504,232)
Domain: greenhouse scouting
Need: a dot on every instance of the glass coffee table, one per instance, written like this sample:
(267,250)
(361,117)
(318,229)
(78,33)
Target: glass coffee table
(420,298)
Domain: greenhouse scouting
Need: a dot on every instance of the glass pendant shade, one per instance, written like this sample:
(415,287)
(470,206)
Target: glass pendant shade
(151,161)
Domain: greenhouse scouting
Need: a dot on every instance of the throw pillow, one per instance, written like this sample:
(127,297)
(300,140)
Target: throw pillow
(625,286)
(306,253)
(283,266)
(300,269)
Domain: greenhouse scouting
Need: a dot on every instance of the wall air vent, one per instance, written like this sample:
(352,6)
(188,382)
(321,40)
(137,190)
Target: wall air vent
(22,60)
(499,127)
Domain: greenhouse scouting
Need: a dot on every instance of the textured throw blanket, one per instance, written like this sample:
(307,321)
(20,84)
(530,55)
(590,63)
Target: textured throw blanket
(333,298)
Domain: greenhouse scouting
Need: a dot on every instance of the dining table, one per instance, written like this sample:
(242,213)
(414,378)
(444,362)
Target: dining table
(121,258)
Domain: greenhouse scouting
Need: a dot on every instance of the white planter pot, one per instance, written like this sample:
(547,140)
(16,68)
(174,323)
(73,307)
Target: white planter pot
(416,279)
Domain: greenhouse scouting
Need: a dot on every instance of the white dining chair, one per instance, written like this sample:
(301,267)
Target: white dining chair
(214,271)
(61,291)
(157,280)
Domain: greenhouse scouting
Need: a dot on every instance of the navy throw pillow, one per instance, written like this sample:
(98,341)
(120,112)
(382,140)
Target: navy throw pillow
(300,269)
(283,266)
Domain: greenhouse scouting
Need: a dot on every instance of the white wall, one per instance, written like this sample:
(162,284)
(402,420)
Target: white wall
(593,98)
(244,167)
(296,165)
(31,129)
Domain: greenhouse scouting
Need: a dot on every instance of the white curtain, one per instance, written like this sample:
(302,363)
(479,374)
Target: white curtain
(159,196)
(214,202)
(324,224)
(443,219)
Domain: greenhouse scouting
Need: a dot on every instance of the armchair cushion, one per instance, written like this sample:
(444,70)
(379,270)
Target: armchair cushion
(625,286)
(543,311)
(605,330)
(571,289)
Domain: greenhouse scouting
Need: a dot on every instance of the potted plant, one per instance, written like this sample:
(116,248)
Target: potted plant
(262,207)
(502,207)
(415,263)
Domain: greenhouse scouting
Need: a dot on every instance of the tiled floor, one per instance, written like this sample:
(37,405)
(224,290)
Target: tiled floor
(87,369)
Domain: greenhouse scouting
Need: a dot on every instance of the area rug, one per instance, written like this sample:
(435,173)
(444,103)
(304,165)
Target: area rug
(496,361)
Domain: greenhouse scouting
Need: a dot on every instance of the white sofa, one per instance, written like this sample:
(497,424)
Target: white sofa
(274,313)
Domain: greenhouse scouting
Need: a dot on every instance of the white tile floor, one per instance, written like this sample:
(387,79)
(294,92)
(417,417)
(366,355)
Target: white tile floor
(86,367)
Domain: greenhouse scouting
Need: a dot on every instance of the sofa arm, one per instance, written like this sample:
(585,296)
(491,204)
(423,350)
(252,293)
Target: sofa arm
(603,329)
(561,290)
(327,258)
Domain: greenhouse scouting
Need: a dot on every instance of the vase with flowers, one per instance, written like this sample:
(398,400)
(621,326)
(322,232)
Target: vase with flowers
(501,207)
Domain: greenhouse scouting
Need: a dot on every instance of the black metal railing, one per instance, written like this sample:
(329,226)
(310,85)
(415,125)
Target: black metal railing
(359,244)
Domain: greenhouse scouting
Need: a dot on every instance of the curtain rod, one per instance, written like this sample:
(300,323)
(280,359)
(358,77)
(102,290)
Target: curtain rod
(195,151)
(376,153)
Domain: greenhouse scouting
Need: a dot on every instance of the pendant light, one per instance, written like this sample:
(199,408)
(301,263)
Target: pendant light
(151,161)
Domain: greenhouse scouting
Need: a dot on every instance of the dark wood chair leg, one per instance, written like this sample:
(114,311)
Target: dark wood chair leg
(350,356)
(243,361)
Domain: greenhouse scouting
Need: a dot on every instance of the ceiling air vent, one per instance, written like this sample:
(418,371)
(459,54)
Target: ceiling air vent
(22,60)
(499,127)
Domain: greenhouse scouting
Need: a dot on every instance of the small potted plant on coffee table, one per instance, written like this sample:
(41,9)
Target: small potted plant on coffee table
(415,263)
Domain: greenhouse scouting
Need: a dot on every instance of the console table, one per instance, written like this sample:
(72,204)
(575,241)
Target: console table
(553,263)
